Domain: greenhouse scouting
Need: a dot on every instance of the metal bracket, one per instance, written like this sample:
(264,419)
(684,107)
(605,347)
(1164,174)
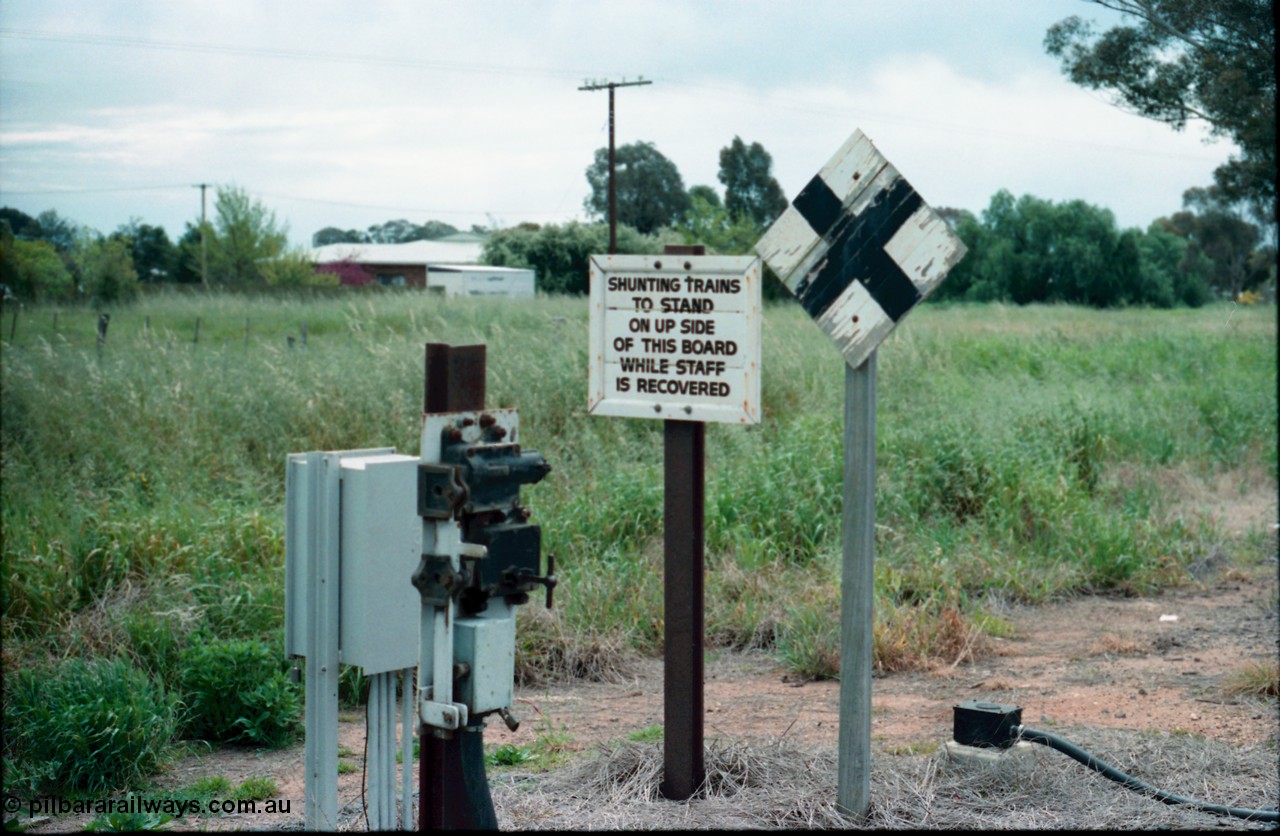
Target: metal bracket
(436,581)
(442,715)
(440,491)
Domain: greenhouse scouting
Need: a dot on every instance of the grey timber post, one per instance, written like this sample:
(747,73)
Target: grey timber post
(857,582)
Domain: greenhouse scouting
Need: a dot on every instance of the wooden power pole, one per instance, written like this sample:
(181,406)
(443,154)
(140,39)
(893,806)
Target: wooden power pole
(613,192)
(204,244)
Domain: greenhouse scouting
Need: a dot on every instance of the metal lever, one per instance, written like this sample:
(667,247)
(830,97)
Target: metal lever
(549,581)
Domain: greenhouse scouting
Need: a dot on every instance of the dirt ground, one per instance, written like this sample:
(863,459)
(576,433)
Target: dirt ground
(1109,662)
(1093,662)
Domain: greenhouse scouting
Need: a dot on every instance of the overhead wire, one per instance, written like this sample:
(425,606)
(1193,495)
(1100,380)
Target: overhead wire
(279,53)
(106,189)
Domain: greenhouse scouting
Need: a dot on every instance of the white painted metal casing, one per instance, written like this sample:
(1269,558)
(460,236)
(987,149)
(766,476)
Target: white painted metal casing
(488,646)
(302,547)
(380,547)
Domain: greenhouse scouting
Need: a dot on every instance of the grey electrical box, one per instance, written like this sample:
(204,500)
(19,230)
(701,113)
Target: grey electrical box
(380,543)
(488,647)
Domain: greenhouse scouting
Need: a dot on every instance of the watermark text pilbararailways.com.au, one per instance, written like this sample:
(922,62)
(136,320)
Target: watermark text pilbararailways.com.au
(138,805)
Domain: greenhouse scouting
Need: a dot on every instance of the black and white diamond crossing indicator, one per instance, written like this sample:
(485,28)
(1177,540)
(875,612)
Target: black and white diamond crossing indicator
(859,248)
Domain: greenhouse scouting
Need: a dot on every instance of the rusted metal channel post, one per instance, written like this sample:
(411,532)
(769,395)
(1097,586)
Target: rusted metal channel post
(684,484)
(683,511)
(455,382)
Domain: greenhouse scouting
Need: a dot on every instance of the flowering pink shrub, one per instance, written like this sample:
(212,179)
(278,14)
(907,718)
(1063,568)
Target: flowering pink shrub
(349,273)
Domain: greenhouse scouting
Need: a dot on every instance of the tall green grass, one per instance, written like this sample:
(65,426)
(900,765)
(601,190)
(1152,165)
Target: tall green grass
(1024,453)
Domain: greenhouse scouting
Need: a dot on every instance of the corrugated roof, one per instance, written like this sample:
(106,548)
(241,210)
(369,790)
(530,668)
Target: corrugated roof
(413,252)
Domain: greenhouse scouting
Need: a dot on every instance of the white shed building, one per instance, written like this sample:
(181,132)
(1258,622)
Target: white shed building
(451,268)
(480,280)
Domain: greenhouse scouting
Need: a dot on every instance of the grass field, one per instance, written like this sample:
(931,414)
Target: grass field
(1023,454)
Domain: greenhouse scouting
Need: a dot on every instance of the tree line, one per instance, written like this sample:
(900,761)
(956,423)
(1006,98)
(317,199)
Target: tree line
(1021,250)
(52,258)
(1028,250)
(399,231)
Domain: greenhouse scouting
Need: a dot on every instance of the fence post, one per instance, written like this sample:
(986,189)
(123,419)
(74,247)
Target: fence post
(104,319)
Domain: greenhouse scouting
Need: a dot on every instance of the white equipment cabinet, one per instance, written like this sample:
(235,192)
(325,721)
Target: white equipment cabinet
(353,540)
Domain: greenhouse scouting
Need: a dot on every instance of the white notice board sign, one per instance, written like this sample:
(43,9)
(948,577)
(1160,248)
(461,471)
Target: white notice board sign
(676,337)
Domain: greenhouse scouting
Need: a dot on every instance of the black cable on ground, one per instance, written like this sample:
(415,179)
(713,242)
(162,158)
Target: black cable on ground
(1076,753)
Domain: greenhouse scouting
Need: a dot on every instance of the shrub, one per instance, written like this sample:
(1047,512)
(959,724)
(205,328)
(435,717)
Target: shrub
(809,636)
(353,687)
(155,642)
(91,726)
(237,692)
(257,788)
(123,822)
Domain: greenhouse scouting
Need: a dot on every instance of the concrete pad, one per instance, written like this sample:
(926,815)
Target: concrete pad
(958,753)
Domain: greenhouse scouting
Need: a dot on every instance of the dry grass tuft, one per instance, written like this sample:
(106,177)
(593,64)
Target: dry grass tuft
(926,638)
(765,782)
(1257,679)
(548,652)
(774,787)
(1110,644)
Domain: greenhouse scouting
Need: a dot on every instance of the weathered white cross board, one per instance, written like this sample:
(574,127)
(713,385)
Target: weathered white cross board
(675,337)
(859,248)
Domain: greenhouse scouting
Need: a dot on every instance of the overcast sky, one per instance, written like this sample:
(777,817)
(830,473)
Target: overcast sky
(348,113)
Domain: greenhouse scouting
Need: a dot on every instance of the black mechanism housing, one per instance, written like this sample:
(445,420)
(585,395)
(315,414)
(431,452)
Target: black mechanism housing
(986,724)
(478,483)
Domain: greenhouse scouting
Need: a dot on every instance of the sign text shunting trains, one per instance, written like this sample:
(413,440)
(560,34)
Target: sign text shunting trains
(676,337)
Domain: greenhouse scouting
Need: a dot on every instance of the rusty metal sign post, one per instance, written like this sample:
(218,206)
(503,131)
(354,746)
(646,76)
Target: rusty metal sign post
(859,249)
(677,337)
